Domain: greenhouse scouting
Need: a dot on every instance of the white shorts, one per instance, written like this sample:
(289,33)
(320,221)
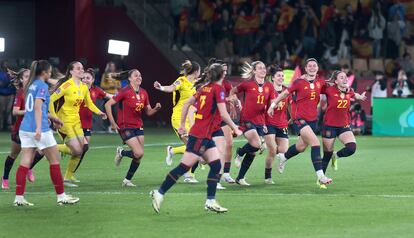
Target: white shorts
(28,141)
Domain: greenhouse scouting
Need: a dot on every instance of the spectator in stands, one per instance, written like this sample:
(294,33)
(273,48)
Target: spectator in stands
(110,85)
(310,24)
(406,64)
(379,88)
(179,14)
(7,91)
(402,87)
(351,76)
(376,28)
(331,59)
(358,119)
(396,28)
(223,34)
(282,53)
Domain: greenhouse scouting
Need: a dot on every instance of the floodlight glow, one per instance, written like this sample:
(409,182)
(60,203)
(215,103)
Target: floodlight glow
(1,44)
(118,47)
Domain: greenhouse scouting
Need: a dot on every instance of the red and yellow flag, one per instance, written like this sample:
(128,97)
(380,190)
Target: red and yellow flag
(205,10)
(362,48)
(246,24)
(286,17)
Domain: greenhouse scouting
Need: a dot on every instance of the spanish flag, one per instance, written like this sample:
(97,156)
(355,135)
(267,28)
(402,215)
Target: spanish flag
(246,24)
(362,48)
(205,10)
(286,17)
(183,21)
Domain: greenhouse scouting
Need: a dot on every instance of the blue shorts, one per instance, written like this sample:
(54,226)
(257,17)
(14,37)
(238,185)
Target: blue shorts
(87,132)
(332,132)
(128,133)
(218,133)
(298,124)
(279,132)
(15,138)
(199,146)
(247,126)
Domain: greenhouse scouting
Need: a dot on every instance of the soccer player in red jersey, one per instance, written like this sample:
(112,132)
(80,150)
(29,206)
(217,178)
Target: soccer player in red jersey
(337,119)
(132,100)
(20,80)
(257,95)
(276,138)
(210,104)
(86,114)
(225,133)
(305,94)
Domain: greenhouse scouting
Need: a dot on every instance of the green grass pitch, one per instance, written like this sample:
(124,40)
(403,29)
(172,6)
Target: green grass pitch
(372,196)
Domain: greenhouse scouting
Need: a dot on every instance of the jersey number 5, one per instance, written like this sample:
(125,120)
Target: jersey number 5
(313,95)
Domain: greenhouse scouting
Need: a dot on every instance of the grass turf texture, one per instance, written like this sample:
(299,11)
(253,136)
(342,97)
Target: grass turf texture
(372,195)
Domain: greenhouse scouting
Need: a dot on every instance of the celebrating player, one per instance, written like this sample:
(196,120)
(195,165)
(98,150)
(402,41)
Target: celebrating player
(257,95)
(306,91)
(210,104)
(131,100)
(337,119)
(35,133)
(276,138)
(69,94)
(182,90)
(86,114)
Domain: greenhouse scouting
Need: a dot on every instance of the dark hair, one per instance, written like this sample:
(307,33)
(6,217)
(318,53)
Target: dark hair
(211,73)
(310,60)
(17,76)
(123,74)
(189,67)
(91,72)
(66,77)
(36,69)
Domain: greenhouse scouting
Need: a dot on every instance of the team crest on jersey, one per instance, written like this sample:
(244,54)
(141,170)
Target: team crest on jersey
(266,90)
(318,85)
(42,92)
(311,85)
(342,95)
(57,91)
(222,95)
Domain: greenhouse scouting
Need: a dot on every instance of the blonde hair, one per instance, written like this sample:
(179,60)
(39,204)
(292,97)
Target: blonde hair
(247,69)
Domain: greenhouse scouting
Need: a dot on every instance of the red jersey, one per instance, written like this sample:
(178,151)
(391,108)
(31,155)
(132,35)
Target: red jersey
(305,98)
(227,87)
(130,106)
(208,116)
(280,116)
(18,102)
(84,112)
(256,100)
(337,113)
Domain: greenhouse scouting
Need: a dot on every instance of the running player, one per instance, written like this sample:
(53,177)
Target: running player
(19,80)
(257,95)
(86,114)
(210,104)
(132,100)
(337,119)
(182,89)
(35,133)
(276,138)
(69,94)
(306,91)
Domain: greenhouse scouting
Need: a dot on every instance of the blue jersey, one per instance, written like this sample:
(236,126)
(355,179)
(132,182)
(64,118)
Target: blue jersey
(38,89)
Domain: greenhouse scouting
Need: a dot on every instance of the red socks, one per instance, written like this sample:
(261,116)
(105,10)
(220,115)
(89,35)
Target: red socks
(57,179)
(21,180)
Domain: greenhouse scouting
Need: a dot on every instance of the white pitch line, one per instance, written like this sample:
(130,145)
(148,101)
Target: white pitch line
(397,196)
(114,146)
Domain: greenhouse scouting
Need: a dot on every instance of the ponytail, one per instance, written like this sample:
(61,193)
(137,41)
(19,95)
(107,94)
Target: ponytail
(65,78)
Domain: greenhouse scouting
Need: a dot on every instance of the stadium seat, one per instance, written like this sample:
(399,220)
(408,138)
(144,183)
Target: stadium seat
(345,61)
(360,65)
(376,64)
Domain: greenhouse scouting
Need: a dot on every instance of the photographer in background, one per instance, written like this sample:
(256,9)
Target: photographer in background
(402,87)
(7,92)
(379,88)
(358,119)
